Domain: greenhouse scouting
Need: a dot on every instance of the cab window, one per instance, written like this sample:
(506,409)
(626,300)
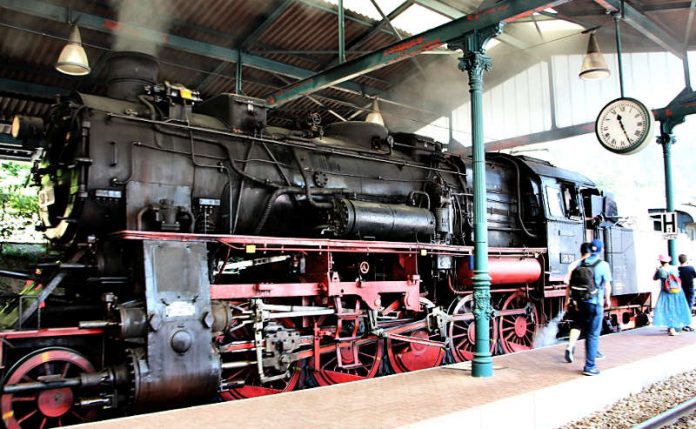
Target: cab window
(554,199)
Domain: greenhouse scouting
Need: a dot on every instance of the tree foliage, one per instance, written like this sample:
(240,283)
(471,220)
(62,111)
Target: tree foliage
(18,203)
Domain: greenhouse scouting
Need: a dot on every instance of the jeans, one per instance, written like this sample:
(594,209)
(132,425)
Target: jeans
(592,316)
(689,294)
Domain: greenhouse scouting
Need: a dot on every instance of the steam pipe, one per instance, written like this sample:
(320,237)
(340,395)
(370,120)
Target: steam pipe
(308,187)
(347,152)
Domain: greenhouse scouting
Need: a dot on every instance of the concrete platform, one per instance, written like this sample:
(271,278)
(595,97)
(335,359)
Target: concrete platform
(528,390)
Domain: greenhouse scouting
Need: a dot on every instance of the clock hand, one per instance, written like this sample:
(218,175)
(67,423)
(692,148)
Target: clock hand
(623,128)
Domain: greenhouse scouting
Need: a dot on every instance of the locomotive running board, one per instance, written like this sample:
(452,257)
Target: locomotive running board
(252,244)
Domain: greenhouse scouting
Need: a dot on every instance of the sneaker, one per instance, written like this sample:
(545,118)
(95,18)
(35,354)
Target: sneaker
(672,332)
(590,372)
(687,328)
(569,354)
(599,355)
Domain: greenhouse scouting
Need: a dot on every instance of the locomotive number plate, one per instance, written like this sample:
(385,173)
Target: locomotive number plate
(180,309)
(567,258)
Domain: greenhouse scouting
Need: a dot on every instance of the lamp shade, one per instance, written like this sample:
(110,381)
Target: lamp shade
(73,59)
(593,65)
(375,117)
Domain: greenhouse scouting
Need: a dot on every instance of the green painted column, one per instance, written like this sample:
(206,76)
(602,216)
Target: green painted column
(667,140)
(238,75)
(475,62)
(341,33)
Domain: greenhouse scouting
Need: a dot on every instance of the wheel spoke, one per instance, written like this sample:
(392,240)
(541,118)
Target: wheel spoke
(23,398)
(74,413)
(368,356)
(46,408)
(464,342)
(65,369)
(328,363)
(27,416)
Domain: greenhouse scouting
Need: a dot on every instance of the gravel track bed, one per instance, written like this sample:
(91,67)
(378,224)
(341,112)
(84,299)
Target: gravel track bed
(647,403)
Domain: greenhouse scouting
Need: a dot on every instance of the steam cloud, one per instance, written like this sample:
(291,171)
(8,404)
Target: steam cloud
(152,15)
(546,336)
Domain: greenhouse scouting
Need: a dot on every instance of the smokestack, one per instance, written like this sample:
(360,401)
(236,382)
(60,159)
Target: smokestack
(128,73)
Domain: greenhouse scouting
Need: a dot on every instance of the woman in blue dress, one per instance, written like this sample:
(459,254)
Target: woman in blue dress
(671,309)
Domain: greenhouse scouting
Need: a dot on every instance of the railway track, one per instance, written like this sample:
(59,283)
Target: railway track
(670,416)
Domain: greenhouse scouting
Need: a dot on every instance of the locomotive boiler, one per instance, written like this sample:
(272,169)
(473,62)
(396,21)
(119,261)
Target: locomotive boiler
(204,255)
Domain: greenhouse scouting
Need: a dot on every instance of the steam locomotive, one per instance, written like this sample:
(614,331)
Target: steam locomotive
(203,255)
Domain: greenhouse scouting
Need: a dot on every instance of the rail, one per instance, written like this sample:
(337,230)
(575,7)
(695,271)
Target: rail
(670,416)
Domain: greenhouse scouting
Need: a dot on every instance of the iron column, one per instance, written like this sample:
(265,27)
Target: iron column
(666,140)
(238,74)
(475,62)
(341,33)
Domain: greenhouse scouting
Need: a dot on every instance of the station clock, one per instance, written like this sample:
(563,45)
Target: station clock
(624,126)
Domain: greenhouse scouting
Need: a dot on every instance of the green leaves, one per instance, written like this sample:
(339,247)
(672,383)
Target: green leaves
(18,203)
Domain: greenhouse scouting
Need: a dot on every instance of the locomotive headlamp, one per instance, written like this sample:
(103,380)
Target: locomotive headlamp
(593,65)
(73,59)
(27,127)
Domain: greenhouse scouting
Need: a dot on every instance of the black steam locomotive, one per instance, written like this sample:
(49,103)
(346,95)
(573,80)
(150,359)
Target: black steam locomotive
(206,255)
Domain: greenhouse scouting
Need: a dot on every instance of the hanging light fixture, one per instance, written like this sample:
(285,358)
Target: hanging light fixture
(593,65)
(374,116)
(73,59)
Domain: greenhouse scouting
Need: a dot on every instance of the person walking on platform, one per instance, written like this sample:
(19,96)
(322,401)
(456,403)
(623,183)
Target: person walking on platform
(686,275)
(572,307)
(671,309)
(590,285)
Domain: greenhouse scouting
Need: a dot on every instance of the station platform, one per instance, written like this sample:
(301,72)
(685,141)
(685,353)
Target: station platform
(533,389)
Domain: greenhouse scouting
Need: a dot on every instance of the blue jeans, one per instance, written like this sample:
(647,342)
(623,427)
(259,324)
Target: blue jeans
(592,317)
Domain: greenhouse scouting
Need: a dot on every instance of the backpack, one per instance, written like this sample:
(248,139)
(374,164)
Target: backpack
(672,284)
(582,281)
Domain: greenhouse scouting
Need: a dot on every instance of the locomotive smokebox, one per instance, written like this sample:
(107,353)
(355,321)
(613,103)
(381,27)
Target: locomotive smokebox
(128,73)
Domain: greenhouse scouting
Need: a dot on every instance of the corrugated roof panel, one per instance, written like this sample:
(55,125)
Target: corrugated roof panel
(10,106)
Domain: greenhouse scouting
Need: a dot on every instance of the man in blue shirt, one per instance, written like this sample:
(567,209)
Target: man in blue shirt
(592,310)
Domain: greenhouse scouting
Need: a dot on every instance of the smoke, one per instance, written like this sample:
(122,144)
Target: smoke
(140,25)
(442,87)
(546,336)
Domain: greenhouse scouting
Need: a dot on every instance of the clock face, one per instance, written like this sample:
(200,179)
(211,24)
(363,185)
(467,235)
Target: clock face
(624,126)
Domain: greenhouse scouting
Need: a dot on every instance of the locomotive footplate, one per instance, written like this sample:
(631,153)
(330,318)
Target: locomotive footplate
(253,243)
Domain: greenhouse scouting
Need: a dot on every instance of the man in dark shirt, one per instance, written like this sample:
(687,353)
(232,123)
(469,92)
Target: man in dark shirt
(686,275)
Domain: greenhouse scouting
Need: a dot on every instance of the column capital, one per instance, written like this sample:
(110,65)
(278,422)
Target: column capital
(474,58)
(475,41)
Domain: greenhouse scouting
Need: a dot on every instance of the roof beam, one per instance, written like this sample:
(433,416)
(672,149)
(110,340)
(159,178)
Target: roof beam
(32,89)
(431,39)
(649,28)
(540,137)
(450,12)
(648,8)
(377,28)
(270,19)
(57,13)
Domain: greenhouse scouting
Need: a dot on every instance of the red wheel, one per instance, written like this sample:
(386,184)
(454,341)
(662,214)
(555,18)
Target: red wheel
(249,376)
(463,332)
(405,356)
(47,408)
(369,357)
(517,328)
